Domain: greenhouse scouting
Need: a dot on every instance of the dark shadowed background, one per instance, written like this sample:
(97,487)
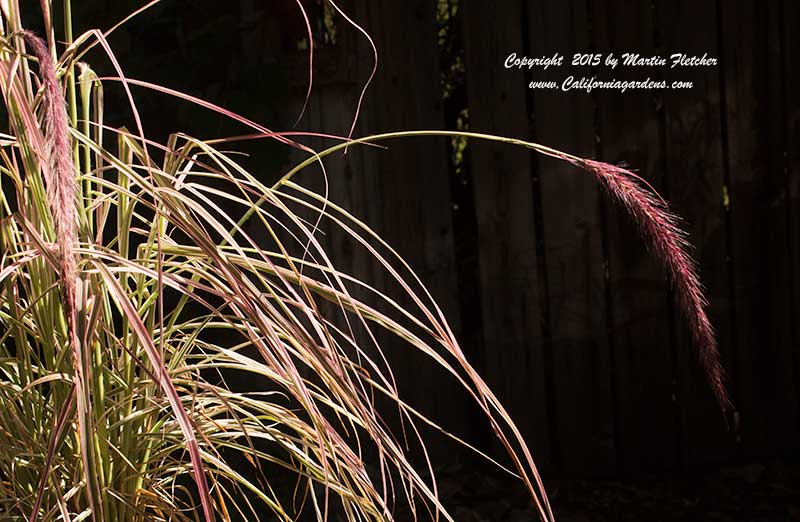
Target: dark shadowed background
(547,284)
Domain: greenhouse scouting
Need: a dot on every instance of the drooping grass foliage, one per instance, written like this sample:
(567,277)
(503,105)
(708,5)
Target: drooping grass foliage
(133,290)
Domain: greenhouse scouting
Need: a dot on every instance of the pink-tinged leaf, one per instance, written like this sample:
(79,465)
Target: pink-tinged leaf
(310,60)
(59,424)
(371,74)
(208,105)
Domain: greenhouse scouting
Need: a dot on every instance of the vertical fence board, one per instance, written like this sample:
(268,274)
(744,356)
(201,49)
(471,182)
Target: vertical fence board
(629,133)
(758,219)
(505,219)
(410,178)
(695,191)
(791,119)
(394,190)
(782,324)
(573,245)
(329,111)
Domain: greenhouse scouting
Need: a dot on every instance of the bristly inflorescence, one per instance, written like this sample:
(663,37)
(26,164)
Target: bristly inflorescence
(61,188)
(661,228)
(59,171)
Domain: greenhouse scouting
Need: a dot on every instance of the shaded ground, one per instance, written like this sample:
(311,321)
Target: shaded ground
(757,492)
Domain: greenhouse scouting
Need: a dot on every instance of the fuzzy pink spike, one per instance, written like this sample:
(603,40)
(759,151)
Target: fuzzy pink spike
(60,173)
(61,197)
(661,228)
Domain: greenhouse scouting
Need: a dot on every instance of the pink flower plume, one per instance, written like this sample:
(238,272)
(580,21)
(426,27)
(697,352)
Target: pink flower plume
(661,229)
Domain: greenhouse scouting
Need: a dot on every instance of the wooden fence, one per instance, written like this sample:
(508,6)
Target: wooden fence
(547,282)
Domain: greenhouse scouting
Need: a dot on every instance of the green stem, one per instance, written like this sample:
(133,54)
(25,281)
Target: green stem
(317,157)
